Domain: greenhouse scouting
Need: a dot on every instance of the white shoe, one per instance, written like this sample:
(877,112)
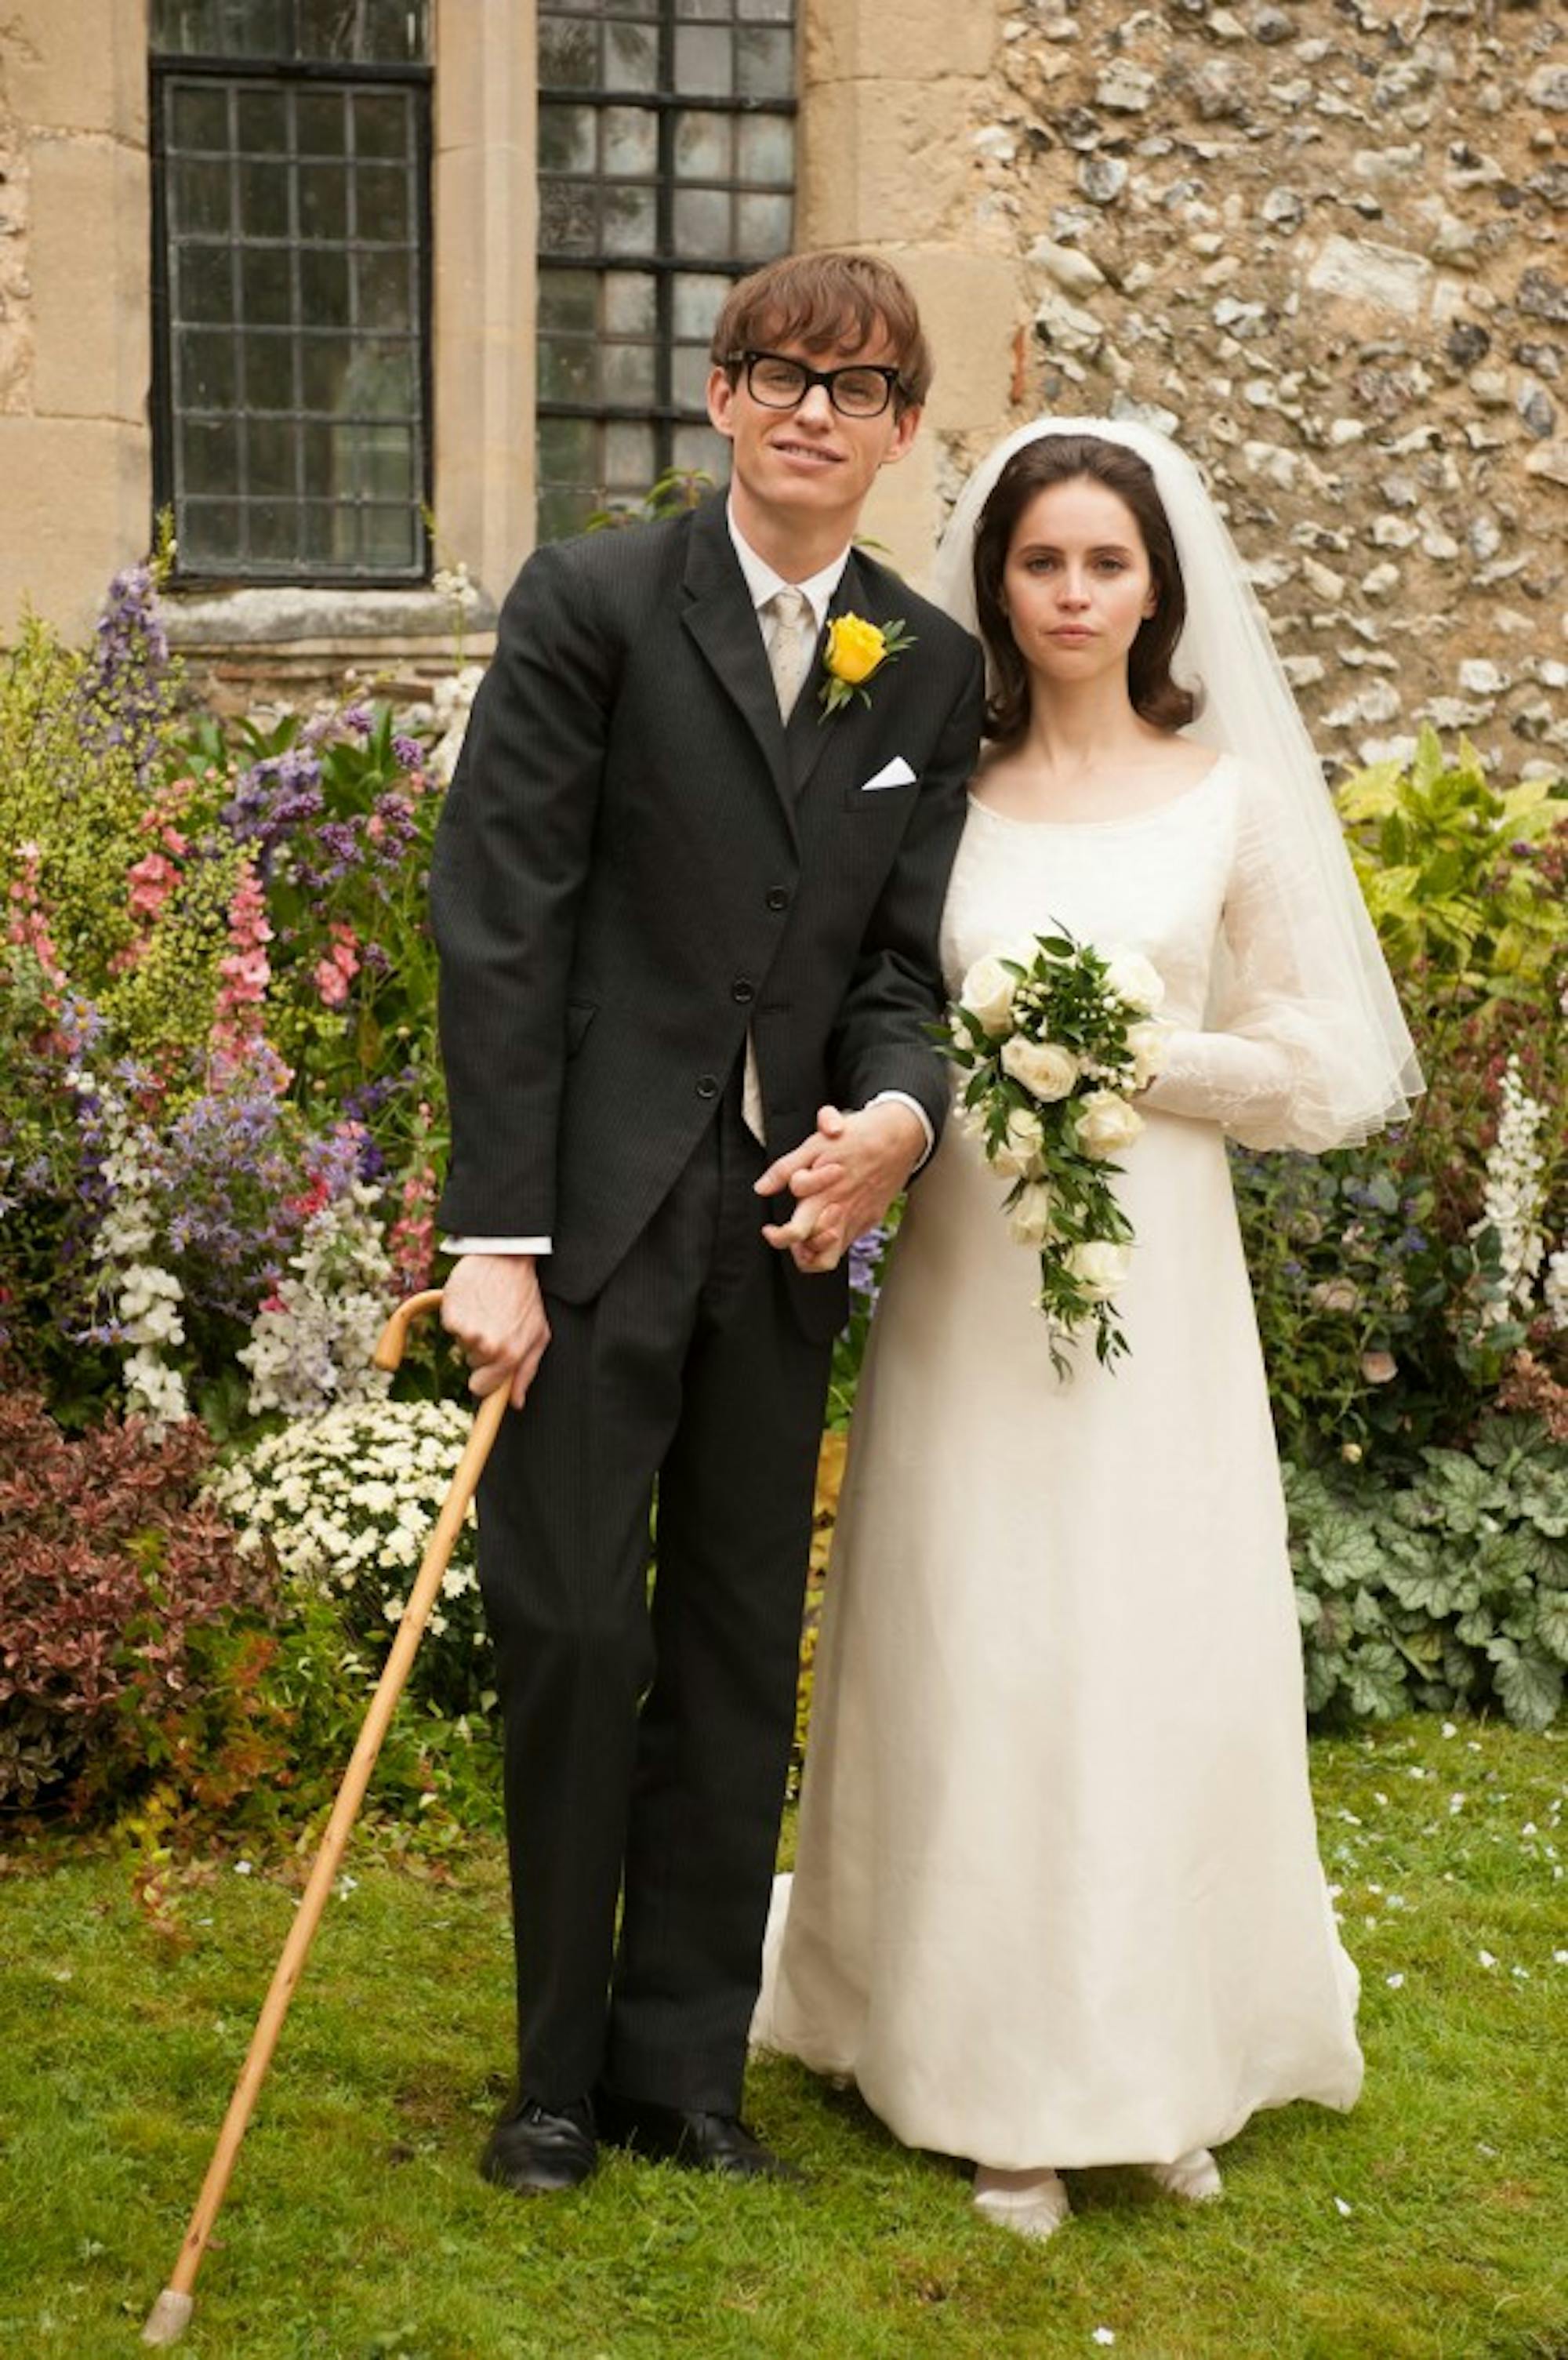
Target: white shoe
(1029,2203)
(1194,2177)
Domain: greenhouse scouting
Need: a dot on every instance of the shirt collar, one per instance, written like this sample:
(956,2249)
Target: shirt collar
(761,580)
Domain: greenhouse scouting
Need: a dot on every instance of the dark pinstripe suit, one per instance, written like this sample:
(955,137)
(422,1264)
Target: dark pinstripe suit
(636,862)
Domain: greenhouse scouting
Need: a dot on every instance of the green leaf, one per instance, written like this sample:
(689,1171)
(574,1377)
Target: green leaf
(1551,1622)
(1376,1678)
(1543,1496)
(1343,1549)
(1430,1580)
(1324,1674)
(1528,1681)
(1476,1628)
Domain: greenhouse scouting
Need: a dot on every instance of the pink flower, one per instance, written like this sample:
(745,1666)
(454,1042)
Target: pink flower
(331,982)
(151,880)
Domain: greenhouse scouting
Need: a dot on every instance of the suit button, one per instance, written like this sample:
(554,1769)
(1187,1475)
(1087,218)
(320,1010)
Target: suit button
(743,989)
(707,1086)
(777,898)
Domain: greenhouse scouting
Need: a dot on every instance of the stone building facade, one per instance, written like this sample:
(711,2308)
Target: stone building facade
(1322,241)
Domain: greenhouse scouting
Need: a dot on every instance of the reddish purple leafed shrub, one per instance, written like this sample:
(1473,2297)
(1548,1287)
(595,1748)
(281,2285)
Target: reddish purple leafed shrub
(123,1609)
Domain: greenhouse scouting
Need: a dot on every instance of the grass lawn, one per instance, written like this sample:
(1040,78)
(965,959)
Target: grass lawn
(1431,2220)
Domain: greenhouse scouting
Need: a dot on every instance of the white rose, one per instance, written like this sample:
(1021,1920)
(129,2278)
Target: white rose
(987,993)
(1044,1069)
(1028,1221)
(1132,978)
(1018,1158)
(1107,1123)
(1099,1268)
(1147,1044)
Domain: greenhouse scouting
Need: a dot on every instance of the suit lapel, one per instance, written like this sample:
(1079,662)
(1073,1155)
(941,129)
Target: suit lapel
(721,619)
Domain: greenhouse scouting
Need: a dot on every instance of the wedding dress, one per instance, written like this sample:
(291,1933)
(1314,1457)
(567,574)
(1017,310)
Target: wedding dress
(1058,1898)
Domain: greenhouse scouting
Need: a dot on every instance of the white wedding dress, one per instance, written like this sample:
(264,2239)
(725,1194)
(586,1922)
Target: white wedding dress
(1058,1898)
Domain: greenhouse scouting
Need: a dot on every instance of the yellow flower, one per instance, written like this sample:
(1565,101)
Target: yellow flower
(854,648)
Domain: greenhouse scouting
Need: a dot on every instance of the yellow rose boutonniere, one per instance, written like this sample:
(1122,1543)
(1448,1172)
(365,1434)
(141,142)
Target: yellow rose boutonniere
(856,649)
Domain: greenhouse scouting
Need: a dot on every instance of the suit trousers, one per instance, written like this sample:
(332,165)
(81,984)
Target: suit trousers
(647,1740)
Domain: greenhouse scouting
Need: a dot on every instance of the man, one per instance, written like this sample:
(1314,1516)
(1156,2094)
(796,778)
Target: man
(683,908)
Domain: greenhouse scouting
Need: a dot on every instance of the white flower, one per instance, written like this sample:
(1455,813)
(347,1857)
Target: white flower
(1134,978)
(1147,1045)
(1099,1267)
(1107,1123)
(1018,1157)
(987,992)
(1045,1070)
(1513,1200)
(1028,1221)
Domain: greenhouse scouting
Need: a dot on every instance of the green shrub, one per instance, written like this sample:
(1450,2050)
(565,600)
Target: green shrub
(1450,1589)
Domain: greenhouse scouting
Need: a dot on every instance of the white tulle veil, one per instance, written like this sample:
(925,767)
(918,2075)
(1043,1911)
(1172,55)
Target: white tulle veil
(1358,1068)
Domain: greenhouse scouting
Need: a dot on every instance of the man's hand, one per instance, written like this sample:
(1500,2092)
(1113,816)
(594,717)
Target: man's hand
(493,1306)
(843,1178)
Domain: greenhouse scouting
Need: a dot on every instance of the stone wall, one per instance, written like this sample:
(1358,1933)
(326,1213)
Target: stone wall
(1320,242)
(74,339)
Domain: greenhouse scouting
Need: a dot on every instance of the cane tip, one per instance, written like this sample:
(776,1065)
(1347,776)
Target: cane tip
(168,2317)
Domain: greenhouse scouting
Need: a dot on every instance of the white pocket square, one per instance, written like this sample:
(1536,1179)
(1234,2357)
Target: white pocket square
(895,773)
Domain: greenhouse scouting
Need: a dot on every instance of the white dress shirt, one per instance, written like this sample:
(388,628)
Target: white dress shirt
(762,581)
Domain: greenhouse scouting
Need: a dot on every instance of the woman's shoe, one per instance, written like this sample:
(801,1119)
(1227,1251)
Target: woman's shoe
(1029,2203)
(1194,2177)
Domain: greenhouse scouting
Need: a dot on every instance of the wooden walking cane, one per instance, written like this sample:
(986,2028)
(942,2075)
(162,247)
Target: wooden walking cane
(171,2315)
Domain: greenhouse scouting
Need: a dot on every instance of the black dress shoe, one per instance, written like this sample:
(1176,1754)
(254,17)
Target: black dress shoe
(701,2142)
(538,2150)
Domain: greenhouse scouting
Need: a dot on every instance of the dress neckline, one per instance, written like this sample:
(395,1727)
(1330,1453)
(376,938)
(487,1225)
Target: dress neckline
(1129,819)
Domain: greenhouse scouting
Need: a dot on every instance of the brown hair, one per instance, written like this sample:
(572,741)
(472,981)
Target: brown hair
(1062,459)
(827,302)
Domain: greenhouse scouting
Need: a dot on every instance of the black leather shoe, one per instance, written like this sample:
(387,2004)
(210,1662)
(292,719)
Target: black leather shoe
(538,2150)
(700,2142)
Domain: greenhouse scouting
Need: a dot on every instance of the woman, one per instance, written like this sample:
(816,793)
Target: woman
(1058,1900)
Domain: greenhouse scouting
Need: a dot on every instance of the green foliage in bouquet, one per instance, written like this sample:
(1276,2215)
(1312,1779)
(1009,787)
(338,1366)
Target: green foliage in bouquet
(1450,1589)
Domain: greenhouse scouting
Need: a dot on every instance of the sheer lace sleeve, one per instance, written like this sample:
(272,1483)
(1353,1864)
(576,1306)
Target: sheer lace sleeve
(1285,1059)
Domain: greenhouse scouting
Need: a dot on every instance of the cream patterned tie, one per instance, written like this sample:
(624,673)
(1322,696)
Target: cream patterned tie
(790,636)
(791,643)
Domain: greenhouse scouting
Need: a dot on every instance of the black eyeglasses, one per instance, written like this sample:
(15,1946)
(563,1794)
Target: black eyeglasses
(864,389)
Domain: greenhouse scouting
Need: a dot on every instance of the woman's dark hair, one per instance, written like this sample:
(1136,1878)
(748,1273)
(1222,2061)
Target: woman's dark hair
(1064,459)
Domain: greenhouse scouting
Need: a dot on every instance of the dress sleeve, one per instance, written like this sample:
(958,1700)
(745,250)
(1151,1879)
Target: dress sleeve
(1274,1064)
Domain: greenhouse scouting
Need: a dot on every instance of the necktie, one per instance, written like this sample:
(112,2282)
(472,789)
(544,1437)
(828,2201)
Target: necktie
(791,643)
(791,635)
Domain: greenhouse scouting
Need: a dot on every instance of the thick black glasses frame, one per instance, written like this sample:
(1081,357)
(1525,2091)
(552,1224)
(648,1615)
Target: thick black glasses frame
(826,379)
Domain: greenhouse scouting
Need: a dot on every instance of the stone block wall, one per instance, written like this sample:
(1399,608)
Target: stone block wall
(1323,243)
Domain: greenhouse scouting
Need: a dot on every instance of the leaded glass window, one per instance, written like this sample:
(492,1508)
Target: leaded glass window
(292,144)
(667,169)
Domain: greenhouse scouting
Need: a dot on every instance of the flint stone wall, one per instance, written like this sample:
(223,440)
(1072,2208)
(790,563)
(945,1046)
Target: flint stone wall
(1321,243)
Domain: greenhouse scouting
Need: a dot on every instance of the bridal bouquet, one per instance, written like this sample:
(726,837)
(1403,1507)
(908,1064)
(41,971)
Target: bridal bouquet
(1056,1037)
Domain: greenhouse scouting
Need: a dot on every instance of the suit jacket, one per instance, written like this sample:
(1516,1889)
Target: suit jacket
(636,860)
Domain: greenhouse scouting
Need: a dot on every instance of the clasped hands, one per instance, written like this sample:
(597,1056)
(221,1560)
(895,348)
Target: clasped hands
(843,1178)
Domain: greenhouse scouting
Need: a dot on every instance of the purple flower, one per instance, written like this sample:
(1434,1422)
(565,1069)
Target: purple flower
(865,1263)
(409,753)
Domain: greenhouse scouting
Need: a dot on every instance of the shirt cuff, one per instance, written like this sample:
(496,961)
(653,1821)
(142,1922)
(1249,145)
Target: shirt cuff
(496,1245)
(902,1098)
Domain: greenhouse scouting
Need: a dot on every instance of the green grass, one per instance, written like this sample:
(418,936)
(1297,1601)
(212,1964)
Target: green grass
(357,2225)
